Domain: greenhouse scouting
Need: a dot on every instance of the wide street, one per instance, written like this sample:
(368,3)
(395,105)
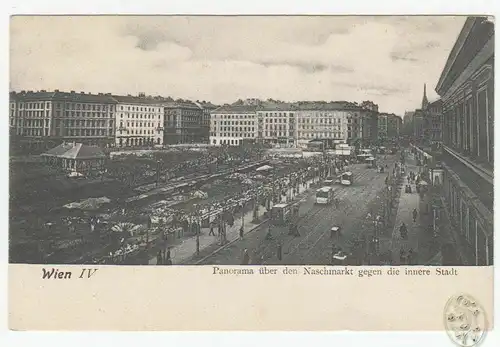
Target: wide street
(314,245)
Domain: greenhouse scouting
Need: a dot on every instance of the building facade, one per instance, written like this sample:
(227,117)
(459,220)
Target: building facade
(418,127)
(369,121)
(206,108)
(230,125)
(382,124)
(277,124)
(139,121)
(433,120)
(292,124)
(408,123)
(394,126)
(332,123)
(183,122)
(466,87)
(44,119)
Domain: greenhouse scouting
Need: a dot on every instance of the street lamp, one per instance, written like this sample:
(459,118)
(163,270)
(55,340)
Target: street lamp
(197,226)
(157,172)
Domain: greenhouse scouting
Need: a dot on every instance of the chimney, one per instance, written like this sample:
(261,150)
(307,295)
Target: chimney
(82,92)
(43,90)
(101,94)
(72,92)
(57,90)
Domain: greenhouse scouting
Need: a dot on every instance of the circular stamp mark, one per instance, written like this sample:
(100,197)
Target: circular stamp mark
(465,320)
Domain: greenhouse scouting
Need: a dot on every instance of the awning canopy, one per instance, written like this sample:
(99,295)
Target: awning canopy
(264,168)
(75,151)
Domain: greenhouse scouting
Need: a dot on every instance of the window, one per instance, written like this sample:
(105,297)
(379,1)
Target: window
(482,115)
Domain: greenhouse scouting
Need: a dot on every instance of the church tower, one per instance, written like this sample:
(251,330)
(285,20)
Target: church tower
(425,102)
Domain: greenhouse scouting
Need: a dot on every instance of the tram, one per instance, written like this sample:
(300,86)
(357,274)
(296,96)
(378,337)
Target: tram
(324,196)
(282,214)
(346,178)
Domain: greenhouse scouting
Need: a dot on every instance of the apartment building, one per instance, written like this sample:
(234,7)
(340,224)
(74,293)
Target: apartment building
(329,122)
(139,121)
(382,126)
(277,124)
(394,125)
(433,120)
(183,122)
(207,108)
(233,124)
(44,119)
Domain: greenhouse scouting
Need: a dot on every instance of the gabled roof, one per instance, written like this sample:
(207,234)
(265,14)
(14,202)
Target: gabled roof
(59,150)
(75,151)
(206,105)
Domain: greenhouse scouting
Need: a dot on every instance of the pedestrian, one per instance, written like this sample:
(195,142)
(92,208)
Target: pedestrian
(211,233)
(241,232)
(403,231)
(279,250)
(410,257)
(246,258)
(159,260)
(402,259)
(415,213)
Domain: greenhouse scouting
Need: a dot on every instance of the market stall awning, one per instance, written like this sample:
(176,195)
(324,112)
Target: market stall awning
(264,168)
(89,204)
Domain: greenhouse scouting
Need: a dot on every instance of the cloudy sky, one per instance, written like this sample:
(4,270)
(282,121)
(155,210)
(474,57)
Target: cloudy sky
(222,59)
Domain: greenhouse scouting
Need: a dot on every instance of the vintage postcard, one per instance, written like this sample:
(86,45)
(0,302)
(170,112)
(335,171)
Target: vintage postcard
(252,173)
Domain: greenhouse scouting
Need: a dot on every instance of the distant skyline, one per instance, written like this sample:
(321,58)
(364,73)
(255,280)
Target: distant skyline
(223,59)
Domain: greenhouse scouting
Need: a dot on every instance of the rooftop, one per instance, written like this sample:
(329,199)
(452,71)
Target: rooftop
(235,109)
(75,151)
(129,99)
(179,103)
(57,95)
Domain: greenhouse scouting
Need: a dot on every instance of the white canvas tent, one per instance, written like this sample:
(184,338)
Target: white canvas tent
(264,168)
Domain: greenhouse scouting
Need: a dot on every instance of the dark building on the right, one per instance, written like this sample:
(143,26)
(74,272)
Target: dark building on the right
(466,87)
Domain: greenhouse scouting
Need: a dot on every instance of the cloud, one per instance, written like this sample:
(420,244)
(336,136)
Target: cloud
(385,59)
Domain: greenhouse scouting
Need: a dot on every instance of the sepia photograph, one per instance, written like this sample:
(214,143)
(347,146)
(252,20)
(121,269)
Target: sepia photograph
(251,140)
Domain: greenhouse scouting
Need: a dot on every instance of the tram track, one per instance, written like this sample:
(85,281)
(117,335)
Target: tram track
(356,219)
(315,224)
(303,243)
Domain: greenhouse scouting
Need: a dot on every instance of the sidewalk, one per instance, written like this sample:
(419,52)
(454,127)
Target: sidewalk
(418,234)
(187,247)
